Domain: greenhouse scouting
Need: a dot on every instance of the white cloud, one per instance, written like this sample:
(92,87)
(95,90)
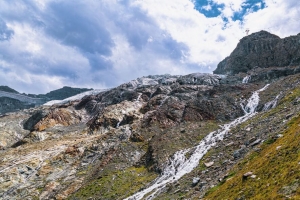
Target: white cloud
(207,8)
(279,17)
(105,43)
(201,34)
(31,54)
(231,6)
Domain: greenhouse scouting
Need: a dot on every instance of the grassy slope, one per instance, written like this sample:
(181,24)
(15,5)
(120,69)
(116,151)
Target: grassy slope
(116,184)
(277,167)
(119,184)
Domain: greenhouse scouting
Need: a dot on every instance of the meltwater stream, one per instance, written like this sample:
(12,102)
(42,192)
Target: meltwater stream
(246,79)
(179,165)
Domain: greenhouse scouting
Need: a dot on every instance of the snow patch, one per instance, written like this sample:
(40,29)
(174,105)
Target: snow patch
(76,97)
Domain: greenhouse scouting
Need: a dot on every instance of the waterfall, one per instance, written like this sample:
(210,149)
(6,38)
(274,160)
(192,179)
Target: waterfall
(139,97)
(246,79)
(271,104)
(179,165)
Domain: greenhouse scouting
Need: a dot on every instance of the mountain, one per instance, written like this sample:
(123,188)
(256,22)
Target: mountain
(61,93)
(232,135)
(262,50)
(8,89)
(11,100)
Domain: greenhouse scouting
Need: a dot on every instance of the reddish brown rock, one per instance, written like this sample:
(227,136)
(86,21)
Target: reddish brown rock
(58,116)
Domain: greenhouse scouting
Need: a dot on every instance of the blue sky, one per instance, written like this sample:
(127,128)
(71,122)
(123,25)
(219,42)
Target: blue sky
(45,45)
(214,9)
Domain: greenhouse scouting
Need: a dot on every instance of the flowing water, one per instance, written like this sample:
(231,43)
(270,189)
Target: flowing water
(139,97)
(179,165)
(246,79)
(271,104)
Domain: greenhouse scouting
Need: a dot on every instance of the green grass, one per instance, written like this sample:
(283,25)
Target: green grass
(291,96)
(116,184)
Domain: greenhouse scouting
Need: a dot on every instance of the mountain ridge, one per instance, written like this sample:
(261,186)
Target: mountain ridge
(118,142)
(262,50)
(11,100)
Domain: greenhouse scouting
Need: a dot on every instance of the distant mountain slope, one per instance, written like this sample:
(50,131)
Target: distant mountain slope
(75,97)
(65,92)
(7,89)
(11,100)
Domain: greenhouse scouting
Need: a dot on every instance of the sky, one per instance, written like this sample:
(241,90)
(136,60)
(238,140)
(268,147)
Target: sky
(48,44)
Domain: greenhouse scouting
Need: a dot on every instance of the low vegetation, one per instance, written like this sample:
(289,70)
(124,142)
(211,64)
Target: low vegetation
(116,184)
(276,170)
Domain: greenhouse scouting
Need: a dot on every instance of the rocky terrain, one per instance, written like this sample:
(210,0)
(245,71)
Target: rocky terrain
(262,50)
(229,135)
(11,100)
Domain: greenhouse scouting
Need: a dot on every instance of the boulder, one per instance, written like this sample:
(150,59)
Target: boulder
(196,180)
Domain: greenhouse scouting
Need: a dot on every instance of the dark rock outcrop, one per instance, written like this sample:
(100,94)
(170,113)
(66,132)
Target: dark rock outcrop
(34,119)
(58,116)
(263,50)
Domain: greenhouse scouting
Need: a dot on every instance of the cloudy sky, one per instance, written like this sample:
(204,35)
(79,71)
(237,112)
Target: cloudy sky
(47,44)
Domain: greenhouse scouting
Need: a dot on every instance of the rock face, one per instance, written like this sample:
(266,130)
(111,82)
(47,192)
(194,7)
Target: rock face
(11,129)
(111,144)
(59,116)
(261,50)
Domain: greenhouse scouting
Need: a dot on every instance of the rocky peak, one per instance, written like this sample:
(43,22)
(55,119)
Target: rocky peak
(260,36)
(261,49)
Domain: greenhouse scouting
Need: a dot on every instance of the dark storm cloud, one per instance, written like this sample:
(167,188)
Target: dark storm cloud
(98,62)
(139,28)
(24,11)
(175,50)
(72,26)
(5,32)
(75,40)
